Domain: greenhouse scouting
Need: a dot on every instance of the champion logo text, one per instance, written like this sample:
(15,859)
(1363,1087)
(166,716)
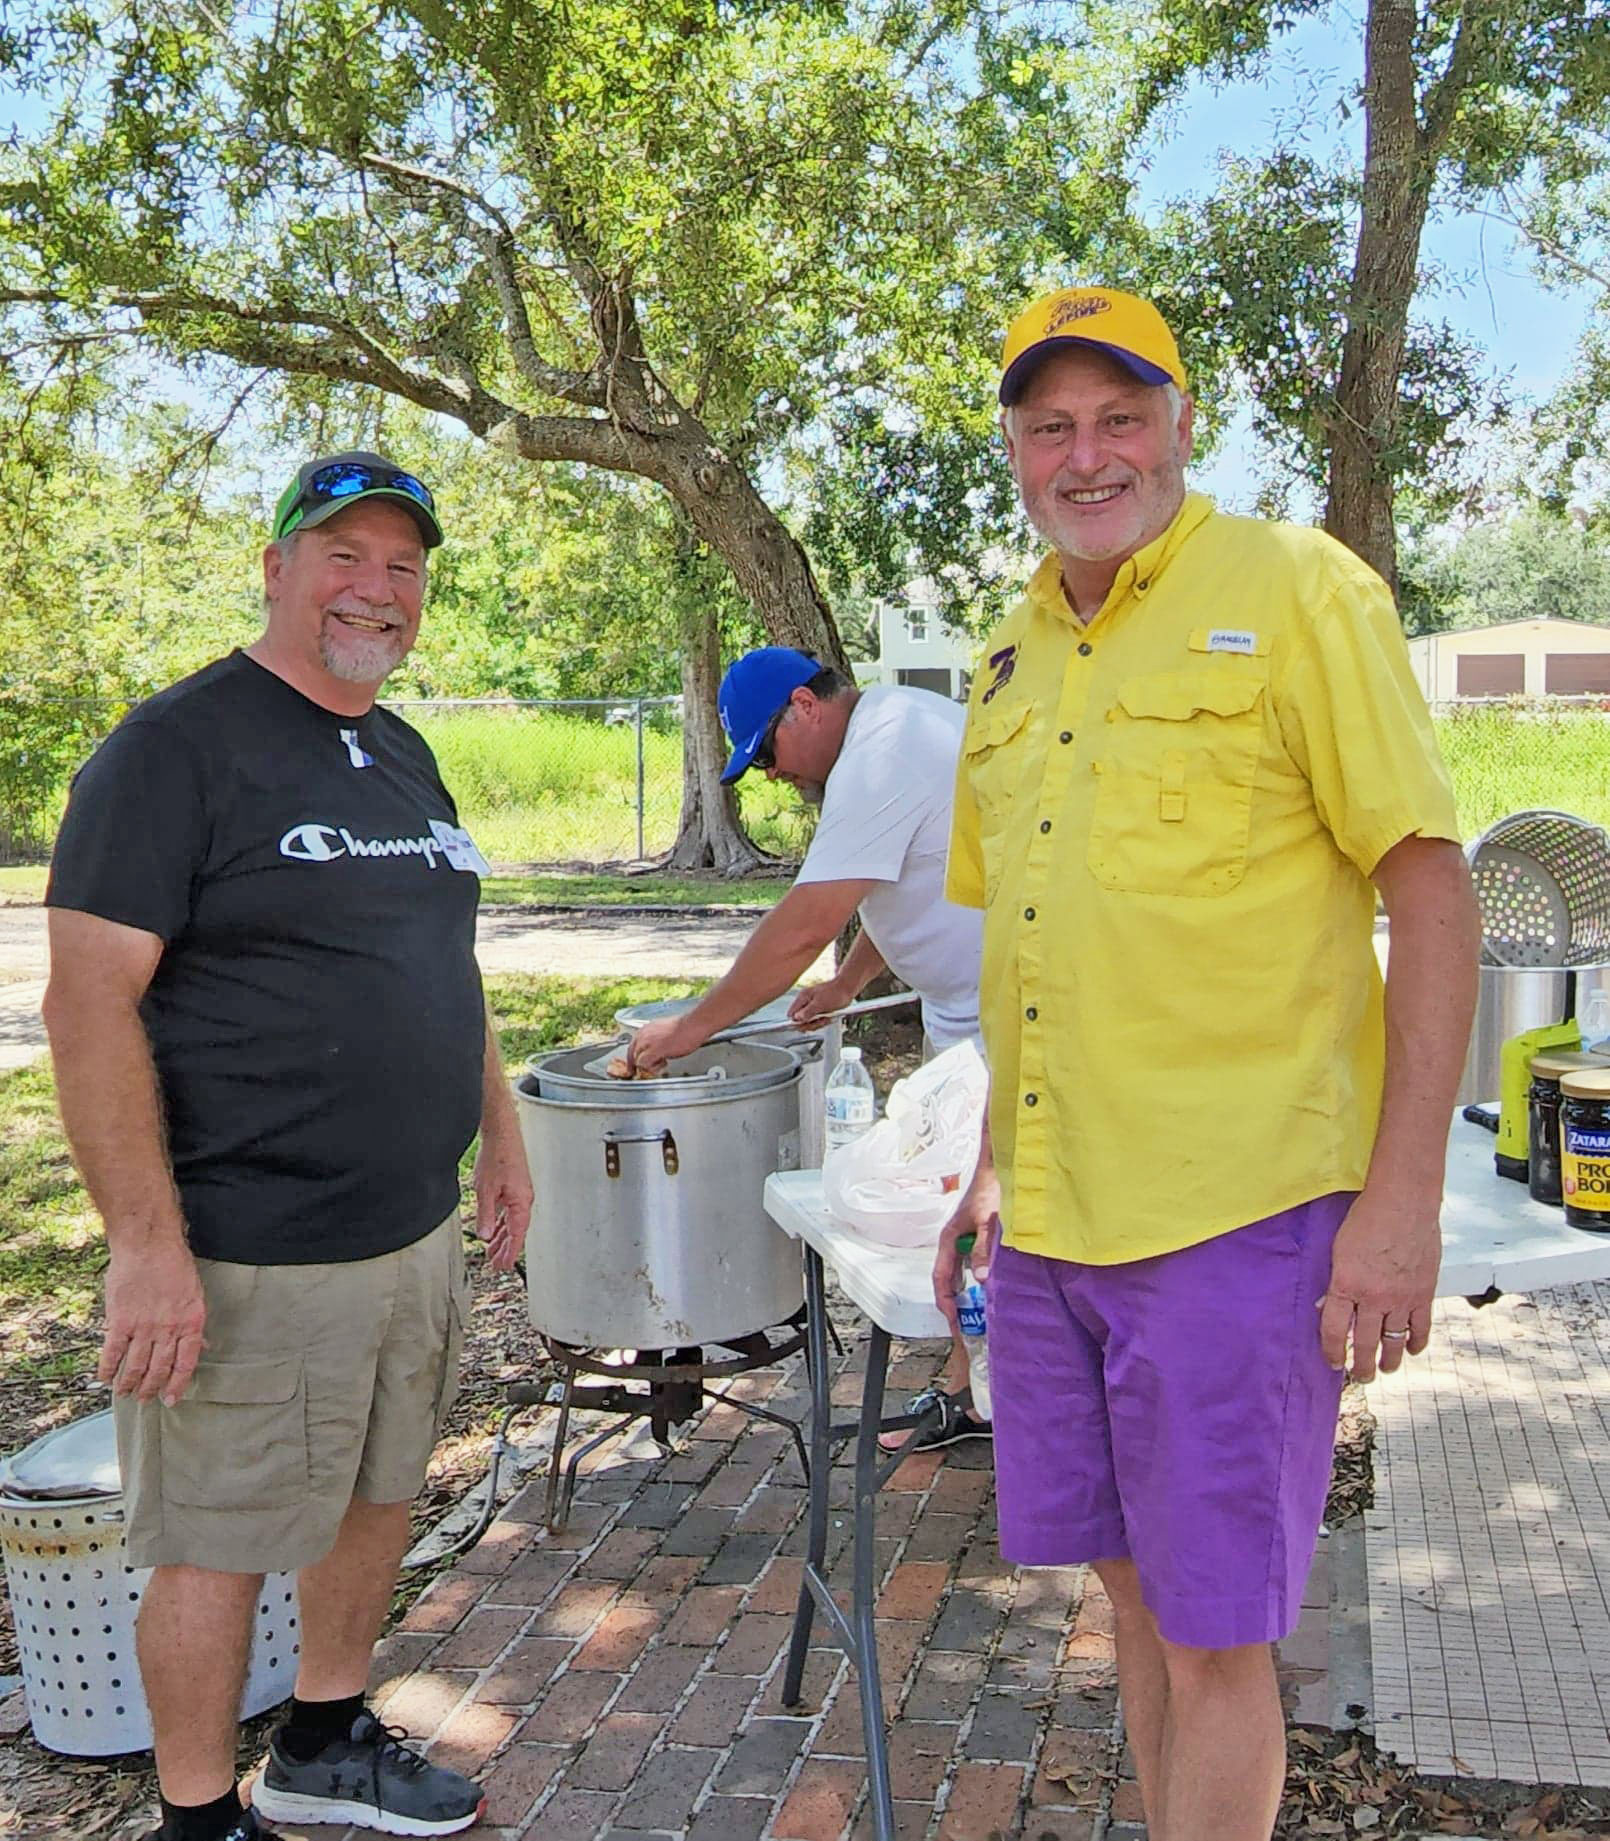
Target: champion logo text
(319,843)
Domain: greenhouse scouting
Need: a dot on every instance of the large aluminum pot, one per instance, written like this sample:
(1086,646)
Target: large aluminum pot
(818,1052)
(1510,1000)
(648,1230)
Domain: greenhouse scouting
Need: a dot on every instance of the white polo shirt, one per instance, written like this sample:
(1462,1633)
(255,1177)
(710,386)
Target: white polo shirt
(886,819)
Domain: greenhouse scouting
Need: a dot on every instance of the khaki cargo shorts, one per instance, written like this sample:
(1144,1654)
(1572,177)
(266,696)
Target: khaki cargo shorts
(317,1384)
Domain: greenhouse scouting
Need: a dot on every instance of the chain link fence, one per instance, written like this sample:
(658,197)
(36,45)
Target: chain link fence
(599,780)
(588,780)
(1516,755)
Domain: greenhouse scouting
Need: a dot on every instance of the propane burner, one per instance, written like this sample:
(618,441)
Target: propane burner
(671,1386)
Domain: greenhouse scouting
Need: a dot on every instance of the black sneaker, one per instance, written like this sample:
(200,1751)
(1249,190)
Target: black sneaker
(369,1779)
(953,1423)
(248,1828)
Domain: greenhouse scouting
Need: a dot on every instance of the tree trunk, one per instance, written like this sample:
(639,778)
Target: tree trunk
(724,510)
(771,570)
(710,835)
(1398,170)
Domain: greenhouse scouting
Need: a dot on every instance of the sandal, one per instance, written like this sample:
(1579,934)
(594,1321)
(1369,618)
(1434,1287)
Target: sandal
(955,1422)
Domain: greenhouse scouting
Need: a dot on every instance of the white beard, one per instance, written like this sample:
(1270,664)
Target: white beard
(360,658)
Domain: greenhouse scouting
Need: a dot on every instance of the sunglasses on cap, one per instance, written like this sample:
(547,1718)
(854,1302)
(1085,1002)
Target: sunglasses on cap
(343,479)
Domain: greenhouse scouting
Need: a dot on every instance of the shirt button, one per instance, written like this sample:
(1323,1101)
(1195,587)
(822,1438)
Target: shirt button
(1028,914)
(1031,1099)
(1032,1014)
(1084,648)
(1066,736)
(1045,825)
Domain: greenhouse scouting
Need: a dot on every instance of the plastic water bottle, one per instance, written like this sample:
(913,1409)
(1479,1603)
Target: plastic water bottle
(970,1318)
(849,1100)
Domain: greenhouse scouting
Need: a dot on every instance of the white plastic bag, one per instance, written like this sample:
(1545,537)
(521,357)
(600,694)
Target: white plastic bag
(899,1183)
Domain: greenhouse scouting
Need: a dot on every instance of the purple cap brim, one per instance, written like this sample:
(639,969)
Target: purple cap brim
(1022,367)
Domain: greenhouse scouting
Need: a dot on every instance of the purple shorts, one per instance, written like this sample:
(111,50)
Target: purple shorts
(1177,1412)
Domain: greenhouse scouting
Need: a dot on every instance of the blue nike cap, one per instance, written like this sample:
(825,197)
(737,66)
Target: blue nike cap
(753,692)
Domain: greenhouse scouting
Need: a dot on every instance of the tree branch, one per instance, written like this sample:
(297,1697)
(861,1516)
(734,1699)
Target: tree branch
(1443,99)
(1546,246)
(498,243)
(261,337)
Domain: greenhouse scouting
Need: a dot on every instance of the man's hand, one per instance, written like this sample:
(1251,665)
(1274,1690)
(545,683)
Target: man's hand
(817,1002)
(502,1180)
(657,1043)
(155,1313)
(1383,1278)
(978,1215)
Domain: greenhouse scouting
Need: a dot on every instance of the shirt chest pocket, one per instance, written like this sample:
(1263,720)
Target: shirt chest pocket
(1176,770)
(996,755)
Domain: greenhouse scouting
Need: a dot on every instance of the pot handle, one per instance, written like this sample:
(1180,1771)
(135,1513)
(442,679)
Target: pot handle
(613,1140)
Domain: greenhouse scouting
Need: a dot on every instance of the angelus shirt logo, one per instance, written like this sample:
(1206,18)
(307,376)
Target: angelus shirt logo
(316,843)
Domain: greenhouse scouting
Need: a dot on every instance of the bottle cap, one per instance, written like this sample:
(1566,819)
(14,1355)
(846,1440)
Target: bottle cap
(851,1053)
(966,1243)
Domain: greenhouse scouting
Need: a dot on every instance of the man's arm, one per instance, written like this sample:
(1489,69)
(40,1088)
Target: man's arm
(106,1085)
(1384,1268)
(502,1176)
(862,963)
(788,940)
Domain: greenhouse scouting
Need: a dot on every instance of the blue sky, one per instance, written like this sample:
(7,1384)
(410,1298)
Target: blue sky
(1490,294)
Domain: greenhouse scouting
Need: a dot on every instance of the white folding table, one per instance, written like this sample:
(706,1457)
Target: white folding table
(1494,1238)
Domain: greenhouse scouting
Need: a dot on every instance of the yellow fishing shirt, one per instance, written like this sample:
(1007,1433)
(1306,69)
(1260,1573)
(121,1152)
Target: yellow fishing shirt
(1170,817)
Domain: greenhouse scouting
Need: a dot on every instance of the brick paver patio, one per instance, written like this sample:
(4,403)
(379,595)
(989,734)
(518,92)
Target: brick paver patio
(623,1677)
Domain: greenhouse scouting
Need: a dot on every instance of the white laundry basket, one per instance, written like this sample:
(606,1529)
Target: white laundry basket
(74,1598)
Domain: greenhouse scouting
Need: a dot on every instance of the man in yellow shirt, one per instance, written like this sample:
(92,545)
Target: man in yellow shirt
(1194,755)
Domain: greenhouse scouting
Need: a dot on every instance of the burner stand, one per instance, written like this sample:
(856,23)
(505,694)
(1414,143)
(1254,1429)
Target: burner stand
(677,1383)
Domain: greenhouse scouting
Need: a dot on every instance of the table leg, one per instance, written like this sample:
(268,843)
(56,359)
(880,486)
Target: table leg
(865,1593)
(820,1469)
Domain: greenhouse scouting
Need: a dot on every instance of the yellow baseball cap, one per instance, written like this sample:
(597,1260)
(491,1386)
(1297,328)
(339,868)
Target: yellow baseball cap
(1123,325)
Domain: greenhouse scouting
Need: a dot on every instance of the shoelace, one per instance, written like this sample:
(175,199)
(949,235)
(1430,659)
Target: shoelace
(388,1744)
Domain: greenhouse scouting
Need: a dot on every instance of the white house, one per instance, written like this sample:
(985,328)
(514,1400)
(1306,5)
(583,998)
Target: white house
(1520,658)
(916,647)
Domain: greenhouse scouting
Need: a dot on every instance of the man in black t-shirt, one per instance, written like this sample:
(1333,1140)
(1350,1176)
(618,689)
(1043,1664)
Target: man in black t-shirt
(271,1052)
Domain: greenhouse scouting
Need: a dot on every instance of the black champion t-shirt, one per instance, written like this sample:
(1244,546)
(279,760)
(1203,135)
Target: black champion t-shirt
(316,1016)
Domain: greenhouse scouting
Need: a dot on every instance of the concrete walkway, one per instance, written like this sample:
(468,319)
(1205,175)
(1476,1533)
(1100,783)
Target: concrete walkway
(1489,1543)
(506,940)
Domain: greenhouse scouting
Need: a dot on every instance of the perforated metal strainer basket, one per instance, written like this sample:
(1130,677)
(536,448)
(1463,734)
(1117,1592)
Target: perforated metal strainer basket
(1543,885)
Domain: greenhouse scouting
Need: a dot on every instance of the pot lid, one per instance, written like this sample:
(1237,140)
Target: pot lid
(749,1067)
(74,1460)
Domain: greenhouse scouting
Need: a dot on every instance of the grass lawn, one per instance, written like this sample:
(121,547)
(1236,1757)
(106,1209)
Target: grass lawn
(612,889)
(23,884)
